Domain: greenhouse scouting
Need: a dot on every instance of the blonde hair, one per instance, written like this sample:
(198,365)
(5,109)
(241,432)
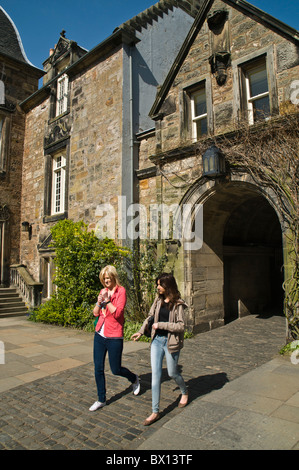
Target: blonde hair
(111,272)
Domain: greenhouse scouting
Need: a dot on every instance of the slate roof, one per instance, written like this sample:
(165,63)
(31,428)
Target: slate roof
(10,40)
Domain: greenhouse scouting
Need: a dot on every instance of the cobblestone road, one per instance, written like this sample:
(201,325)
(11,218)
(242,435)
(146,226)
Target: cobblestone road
(52,413)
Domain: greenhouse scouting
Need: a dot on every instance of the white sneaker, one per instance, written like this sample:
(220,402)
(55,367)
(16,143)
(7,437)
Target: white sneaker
(136,386)
(97,405)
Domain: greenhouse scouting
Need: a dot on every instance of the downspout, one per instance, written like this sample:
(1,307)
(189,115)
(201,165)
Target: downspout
(131,124)
(133,243)
(126,197)
(2,231)
(132,198)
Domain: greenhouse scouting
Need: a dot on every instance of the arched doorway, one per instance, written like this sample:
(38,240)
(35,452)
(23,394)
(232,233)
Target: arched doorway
(239,269)
(252,260)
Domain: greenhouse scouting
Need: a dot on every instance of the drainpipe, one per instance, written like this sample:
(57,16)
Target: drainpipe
(131,124)
(2,231)
(130,241)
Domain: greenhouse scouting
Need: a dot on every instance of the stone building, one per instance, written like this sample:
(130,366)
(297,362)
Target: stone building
(18,80)
(131,122)
(237,66)
(81,146)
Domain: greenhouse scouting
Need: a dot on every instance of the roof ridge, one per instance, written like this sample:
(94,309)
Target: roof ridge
(153,12)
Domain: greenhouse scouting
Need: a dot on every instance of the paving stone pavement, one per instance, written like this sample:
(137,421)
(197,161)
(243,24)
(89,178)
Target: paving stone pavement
(52,412)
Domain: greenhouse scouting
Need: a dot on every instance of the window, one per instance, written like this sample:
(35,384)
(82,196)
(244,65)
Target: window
(2,93)
(56,182)
(4,142)
(62,95)
(199,113)
(1,133)
(58,185)
(256,91)
(48,270)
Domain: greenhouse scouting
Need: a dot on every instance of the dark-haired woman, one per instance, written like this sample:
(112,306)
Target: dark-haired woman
(167,338)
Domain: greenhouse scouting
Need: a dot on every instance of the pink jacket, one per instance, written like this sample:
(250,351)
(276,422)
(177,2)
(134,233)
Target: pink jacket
(114,322)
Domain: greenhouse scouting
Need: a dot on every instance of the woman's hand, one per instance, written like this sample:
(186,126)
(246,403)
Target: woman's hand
(136,336)
(103,298)
(155,326)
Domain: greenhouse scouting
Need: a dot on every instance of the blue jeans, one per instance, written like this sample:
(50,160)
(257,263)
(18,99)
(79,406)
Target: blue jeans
(158,351)
(114,348)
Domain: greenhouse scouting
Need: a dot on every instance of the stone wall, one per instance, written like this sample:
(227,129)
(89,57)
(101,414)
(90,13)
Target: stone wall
(33,190)
(20,81)
(202,274)
(247,37)
(96,141)
(94,153)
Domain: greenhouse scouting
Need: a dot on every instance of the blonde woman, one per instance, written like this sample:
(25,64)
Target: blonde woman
(109,334)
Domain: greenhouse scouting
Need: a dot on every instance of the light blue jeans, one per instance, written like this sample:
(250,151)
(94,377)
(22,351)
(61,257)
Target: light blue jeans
(158,351)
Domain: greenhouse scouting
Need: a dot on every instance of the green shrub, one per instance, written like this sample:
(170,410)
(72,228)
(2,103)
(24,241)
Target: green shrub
(290,348)
(80,256)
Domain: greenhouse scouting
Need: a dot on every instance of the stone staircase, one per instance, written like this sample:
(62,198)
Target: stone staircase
(11,304)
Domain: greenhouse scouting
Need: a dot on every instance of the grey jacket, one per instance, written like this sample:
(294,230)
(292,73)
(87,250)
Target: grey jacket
(175,326)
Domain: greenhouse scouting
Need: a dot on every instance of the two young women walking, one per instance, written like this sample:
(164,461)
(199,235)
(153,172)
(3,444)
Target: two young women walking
(167,337)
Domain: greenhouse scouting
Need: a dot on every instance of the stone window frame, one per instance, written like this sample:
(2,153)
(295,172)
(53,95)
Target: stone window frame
(5,129)
(54,112)
(240,110)
(186,122)
(50,154)
(58,183)
(246,84)
(198,118)
(47,272)
(62,95)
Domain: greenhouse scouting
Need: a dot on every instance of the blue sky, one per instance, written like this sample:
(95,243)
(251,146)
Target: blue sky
(89,22)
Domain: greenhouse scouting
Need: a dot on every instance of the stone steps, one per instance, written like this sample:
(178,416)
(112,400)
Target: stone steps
(11,304)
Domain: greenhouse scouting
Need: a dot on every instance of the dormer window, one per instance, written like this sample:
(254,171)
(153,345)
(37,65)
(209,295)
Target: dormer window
(62,95)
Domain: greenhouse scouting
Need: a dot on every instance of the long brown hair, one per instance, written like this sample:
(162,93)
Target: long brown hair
(168,282)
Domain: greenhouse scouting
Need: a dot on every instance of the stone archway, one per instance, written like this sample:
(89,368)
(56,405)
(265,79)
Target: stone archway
(252,260)
(238,270)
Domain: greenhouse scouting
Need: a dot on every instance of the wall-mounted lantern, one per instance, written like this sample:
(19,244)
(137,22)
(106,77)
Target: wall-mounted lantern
(213,162)
(27,227)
